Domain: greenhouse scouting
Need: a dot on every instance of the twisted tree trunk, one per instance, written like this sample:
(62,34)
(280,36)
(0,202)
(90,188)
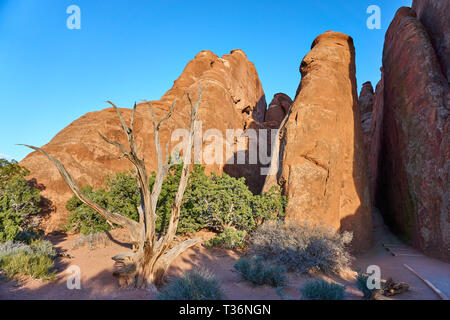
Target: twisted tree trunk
(146,265)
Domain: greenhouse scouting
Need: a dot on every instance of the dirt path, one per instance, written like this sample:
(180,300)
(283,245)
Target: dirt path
(97,281)
(435,271)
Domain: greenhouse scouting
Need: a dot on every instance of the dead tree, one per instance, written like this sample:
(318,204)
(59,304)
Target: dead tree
(153,252)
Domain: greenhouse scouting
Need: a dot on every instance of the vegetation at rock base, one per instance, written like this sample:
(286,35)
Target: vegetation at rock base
(302,247)
(21,252)
(35,260)
(230,238)
(218,203)
(322,290)
(19,202)
(259,272)
(198,284)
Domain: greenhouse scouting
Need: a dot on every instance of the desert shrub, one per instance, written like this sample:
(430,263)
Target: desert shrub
(35,260)
(270,206)
(219,202)
(198,284)
(230,238)
(322,290)
(368,294)
(259,272)
(120,194)
(43,248)
(302,248)
(92,240)
(34,265)
(210,202)
(19,201)
(11,248)
(82,218)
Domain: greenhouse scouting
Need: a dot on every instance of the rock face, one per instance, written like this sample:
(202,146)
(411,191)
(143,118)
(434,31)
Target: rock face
(233,96)
(322,160)
(366,107)
(434,15)
(374,140)
(415,163)
(278,108)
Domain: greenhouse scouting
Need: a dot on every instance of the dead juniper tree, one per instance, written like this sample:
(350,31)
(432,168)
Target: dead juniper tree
(153,252)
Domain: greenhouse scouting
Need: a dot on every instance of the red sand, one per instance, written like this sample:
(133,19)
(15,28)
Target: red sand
(97,281)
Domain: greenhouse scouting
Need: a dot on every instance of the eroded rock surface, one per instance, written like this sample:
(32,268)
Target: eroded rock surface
(415,162)
(233,96)
(374,147)
(322,160)
(366,107)
(435,16)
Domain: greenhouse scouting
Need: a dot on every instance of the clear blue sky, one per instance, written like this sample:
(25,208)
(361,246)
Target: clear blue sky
(135,49)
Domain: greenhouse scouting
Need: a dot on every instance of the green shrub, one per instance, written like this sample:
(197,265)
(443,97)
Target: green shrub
(43,248)
(19,201)
(302,248)
(258,272)
(120,195)
(210,202)
(368,294)
(199,284)
(229,239)
(34,265)
(322,290)
(270,206)
(35,260)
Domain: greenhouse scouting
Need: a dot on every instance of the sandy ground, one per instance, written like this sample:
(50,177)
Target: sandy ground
(97,281)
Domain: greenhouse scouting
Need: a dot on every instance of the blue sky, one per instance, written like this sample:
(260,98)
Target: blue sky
(133,50)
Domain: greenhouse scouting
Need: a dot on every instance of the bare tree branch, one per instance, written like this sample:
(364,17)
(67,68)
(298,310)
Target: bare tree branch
(175,214)
(151,256)
(118,219)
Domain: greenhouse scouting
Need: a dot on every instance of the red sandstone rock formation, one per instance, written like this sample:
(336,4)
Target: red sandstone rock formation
(323,165)
(415,163)
(374,145)
(278,108)
(434,15)
(233,95)
(366,107)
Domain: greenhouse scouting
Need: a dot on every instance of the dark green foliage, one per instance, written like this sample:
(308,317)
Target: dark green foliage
(230,238)
(303,247)
(35,260)
(322,290)
(258,272)
(368,294)
(83,219)
(270,206)
(19,201)
(192,216)
(199,284)
(210,202)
